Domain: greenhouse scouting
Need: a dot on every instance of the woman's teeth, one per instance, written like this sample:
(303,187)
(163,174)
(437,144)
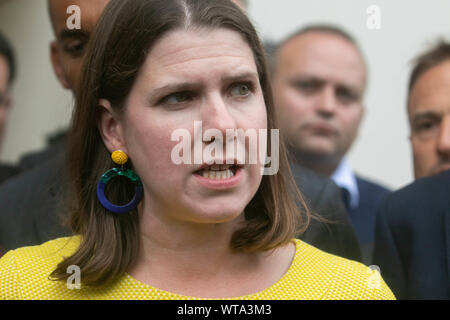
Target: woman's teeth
(217,174)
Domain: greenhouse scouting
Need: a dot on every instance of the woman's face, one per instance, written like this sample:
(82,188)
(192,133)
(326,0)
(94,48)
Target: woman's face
(196,75)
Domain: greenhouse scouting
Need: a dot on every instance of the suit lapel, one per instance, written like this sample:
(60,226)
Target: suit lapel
(447,241)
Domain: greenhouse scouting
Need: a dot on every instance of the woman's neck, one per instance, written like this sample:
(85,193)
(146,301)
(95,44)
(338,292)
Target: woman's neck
(196,259)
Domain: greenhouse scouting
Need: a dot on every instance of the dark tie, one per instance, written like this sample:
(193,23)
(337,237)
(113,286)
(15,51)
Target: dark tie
(345,194)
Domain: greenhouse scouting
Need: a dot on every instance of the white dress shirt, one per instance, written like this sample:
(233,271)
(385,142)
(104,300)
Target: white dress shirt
(344,177)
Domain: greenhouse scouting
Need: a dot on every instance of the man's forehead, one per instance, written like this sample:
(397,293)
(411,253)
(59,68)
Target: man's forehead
(318,38)
(431,91)
(325,57)
(314,43)
(437,106)
(90,12)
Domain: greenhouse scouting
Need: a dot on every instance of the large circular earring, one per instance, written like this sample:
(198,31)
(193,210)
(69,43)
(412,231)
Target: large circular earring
(119,157)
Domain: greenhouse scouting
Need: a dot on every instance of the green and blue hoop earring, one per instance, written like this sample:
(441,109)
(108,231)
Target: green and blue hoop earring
(119,157)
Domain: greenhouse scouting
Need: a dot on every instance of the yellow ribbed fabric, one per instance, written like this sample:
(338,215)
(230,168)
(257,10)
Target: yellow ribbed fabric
(313,274)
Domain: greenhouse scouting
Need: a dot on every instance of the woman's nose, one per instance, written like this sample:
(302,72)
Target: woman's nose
(216,114)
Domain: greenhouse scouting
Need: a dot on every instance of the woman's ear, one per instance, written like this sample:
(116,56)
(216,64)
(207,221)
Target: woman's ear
(110,127)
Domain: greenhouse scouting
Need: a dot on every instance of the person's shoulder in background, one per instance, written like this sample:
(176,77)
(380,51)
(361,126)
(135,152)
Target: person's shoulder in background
(32,205)
(412,241)
(56,144)
(335,235)
(371,189)
(7,171)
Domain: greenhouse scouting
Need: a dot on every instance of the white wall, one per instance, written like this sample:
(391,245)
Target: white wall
(41,105)
(382,151)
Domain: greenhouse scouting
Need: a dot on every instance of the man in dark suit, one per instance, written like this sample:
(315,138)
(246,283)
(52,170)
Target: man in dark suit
(413,226)
(412,245)
(319,79)
(335,235)
(32,206)
(31,202)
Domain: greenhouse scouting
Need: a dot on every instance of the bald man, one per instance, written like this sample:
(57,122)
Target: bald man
(319,79)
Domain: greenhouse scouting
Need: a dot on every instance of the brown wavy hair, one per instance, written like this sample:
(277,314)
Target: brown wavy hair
(118,48)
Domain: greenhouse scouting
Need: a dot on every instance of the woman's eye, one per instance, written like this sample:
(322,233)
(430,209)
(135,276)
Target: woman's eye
(240,90)
(178,97)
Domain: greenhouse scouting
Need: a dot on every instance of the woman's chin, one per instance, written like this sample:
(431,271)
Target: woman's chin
(216,215)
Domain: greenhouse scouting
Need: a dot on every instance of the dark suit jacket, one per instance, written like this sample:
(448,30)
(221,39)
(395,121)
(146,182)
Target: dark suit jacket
(323,197)
(7,171)
(56,144)
(412,245)
(363,217)
(30,203)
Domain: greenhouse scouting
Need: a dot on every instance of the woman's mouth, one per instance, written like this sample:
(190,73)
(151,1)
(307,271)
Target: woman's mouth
(219,176)
(218,171)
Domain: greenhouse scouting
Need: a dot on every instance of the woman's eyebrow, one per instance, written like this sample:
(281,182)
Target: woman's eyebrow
(241,76)
(174,87)
(187,85)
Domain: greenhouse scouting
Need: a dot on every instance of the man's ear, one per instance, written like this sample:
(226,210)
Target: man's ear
(8,101)
(363,113)
(110,127)
(57,65)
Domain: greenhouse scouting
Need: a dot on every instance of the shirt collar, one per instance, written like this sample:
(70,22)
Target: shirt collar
(344,177)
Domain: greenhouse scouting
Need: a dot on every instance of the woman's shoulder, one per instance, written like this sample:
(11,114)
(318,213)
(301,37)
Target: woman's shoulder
(336,277)
(52,251)
(24,272)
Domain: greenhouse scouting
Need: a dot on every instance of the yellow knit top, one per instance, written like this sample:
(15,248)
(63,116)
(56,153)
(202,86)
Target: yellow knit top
(313,274)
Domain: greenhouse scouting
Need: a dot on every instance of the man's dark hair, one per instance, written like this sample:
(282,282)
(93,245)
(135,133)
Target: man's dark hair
(7,51)
(439,53)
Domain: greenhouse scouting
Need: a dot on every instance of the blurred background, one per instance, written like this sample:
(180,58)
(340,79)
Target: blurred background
(382,151)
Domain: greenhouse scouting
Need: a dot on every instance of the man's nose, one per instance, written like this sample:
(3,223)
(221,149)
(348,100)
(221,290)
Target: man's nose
(327,102)
(444,137)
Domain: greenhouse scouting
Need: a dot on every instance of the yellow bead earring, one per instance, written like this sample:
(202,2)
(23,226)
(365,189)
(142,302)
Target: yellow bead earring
(119,157)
